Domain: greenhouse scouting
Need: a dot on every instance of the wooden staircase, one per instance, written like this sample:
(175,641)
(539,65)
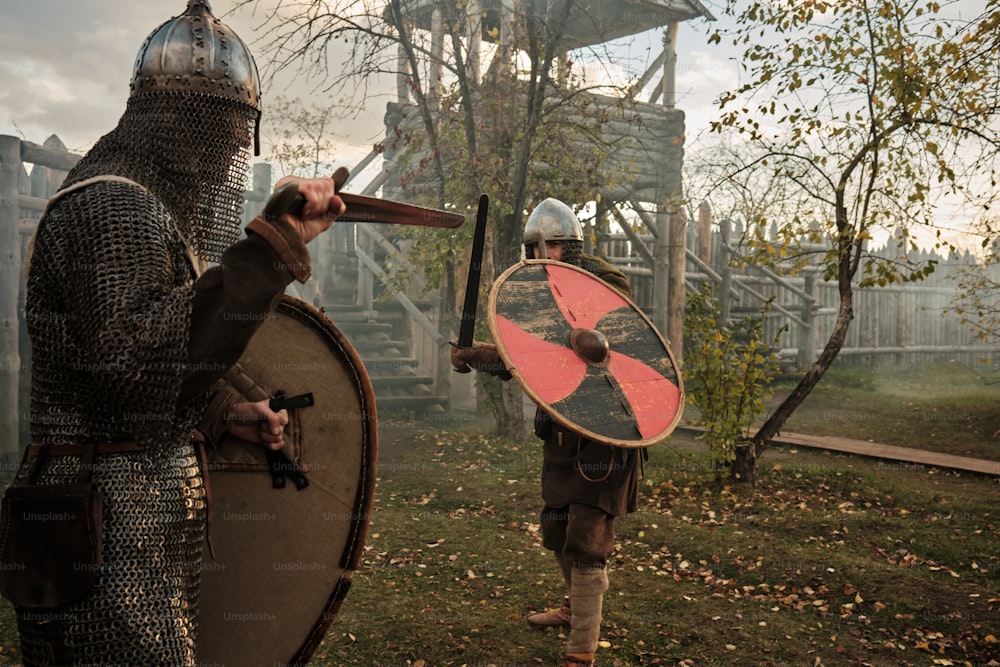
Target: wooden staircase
(383,333)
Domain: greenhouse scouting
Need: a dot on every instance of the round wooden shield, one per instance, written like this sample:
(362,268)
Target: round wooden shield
(284,557)
(585,354)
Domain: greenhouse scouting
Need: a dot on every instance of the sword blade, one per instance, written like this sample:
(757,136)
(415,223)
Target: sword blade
(362,208)
(467,326)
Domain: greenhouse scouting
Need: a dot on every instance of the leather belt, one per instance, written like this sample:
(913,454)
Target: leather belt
(77,450)
(132,446)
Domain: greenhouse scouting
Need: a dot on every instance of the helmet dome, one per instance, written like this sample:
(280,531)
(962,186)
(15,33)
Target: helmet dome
(197,53)
(552,220)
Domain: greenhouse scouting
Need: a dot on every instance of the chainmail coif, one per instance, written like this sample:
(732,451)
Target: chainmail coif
(108,307)
(192,152)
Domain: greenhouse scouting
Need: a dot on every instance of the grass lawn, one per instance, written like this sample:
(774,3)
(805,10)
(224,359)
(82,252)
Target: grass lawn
(832,560)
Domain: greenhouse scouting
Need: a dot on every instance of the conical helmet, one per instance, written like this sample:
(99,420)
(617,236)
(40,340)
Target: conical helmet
(197,53)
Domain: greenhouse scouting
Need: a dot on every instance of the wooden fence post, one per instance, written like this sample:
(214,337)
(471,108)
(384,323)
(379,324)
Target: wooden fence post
(705,232)
(807,330)
(661,269)
(726,270)
(10,263)
(677,291)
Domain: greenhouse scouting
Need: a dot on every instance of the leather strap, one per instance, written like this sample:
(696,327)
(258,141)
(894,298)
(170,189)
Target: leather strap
(198,440)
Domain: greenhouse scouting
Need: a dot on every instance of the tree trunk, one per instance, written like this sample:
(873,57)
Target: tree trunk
(513,423)
(743,469)
(505,402)
(833,346)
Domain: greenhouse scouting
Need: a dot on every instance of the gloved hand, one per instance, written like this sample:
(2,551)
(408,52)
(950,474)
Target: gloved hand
(481,356)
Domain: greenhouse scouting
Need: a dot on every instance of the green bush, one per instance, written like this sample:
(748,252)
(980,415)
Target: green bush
(728,370)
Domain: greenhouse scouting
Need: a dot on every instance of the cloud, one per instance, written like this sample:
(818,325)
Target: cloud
(66,67)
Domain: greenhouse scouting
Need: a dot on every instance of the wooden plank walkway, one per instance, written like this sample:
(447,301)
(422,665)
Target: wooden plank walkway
(886,452)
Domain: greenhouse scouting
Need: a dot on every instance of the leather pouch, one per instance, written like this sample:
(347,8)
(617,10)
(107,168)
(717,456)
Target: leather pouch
(50,539)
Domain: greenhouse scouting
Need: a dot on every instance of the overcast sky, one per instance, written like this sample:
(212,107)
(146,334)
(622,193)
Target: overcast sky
(65,68)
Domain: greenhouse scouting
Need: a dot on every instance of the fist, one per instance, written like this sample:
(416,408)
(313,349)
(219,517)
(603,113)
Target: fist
(310,205)
(257,423)
(481,356)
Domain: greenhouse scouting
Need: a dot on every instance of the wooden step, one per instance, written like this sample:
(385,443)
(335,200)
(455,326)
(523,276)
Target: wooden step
(364,328)
(406,381)
(375,349)
(417,403)
(389,367)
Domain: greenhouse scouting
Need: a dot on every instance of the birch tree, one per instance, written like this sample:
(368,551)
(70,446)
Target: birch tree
(879,112)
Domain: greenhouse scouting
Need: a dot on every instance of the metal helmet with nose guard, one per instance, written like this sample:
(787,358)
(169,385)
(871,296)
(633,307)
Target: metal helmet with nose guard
(552,220)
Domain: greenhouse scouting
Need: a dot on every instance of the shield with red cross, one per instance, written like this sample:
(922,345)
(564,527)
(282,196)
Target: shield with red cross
(585,354)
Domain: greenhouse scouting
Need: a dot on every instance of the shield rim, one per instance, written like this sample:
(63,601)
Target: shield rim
(563,421)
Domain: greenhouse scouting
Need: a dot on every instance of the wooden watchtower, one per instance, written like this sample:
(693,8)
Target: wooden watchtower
(655,158)
(650,247)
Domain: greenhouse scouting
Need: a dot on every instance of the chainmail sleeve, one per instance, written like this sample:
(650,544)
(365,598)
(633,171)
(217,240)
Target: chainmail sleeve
(113,269)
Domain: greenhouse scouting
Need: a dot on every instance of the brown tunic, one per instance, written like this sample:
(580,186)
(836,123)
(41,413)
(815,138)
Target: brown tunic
(579,471)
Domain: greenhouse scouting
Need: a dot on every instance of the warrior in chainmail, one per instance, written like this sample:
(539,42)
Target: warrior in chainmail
(130,329)
(578,519)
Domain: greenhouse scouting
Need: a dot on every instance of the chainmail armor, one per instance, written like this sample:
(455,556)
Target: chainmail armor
(192,152)
(108,308)
(143,610)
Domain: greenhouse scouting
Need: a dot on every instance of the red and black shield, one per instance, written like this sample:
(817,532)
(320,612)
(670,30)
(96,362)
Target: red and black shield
(585,354)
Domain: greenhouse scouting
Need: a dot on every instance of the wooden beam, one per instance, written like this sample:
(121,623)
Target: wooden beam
(670,65)
(633,238)
(647,76)
(48,157)
(11,262)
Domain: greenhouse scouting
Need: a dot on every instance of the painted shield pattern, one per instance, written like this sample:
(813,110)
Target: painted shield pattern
(585,354)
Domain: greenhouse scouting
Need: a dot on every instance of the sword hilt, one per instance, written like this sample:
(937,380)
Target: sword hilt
(277,461)
(466,368)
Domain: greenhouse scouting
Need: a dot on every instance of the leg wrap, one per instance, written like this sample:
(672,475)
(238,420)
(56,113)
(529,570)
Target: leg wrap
(586,599)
